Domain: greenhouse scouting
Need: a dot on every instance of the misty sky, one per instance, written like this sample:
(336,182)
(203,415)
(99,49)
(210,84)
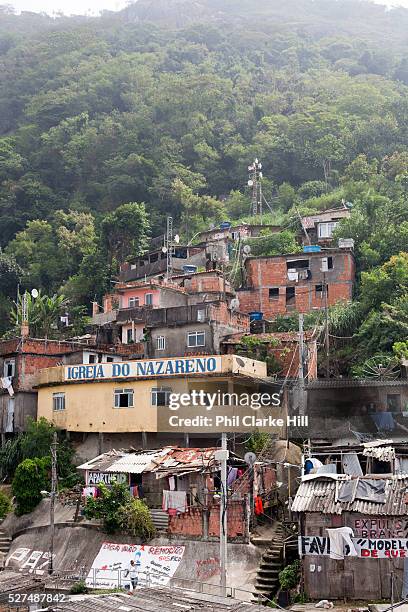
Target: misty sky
(94,6)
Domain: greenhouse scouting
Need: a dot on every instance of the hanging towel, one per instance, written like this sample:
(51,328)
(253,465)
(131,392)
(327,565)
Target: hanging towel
(175,500)
(338,538)
(232,476)
(258,505)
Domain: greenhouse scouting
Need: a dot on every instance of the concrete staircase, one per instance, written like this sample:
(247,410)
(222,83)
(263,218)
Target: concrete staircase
(267,579)
(160,519)
(5,542)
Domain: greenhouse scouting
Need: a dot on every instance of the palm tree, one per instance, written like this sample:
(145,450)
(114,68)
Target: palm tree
(42,312)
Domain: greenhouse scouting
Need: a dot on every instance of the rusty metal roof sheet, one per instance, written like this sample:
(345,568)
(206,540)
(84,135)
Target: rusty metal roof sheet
(319,495)
(171,459)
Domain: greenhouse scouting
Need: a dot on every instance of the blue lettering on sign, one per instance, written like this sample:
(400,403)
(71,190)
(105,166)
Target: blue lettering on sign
(142,368)
(115,369)
(99,372)
(169,368)
(201,365)
(211,364)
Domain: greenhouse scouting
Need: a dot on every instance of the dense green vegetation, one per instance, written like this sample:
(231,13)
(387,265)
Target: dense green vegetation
(109,124)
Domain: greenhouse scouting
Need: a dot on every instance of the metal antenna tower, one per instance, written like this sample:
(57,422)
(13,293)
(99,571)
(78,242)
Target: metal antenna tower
(169,247)
(255,181)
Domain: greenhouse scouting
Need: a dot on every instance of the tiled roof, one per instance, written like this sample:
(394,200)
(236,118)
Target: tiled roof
(319,495)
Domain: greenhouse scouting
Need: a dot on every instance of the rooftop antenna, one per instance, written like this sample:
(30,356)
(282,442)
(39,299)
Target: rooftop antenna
(169,247)
(255,181)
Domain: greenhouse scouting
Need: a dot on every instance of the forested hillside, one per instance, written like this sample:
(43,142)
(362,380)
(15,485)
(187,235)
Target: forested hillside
(166,103)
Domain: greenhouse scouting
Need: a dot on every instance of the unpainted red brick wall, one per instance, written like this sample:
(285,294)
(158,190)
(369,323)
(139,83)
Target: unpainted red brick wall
(263,274)
(28,366)
(222,314)
(191,522)
(235,520)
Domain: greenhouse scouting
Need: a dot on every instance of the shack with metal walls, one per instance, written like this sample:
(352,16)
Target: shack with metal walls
(374,506)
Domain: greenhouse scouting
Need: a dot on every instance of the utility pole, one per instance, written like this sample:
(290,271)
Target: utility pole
(326,314)
(255,181)
(52,499)
(222,457)
(301,372)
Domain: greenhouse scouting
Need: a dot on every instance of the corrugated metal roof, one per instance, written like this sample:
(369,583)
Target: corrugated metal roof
(151,600)
(171,459)
(320,496)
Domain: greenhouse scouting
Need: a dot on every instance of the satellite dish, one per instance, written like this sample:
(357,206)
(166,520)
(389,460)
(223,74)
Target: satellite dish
(250,183)
(250,458)
(246,249)
(235,304)
(164,249)
(34,293)
(176,238)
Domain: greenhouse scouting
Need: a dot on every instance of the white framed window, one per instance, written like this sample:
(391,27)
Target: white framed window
(133,302)
(201,315)
(195,339)
(161,343)
(124,398)
(160,396)
(92,358)
(325,230)
(129,335)
(149,299)
(9,368)
(58,401)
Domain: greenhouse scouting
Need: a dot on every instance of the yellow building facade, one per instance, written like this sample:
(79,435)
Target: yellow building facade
(158,396)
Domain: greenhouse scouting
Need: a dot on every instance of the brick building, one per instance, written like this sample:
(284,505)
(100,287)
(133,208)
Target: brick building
(196,473)
(319,228)
(21,359)
(154,263)
(285,283)
(284,347)
(191,314)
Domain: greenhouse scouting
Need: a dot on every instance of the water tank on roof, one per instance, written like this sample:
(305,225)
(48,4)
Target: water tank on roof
(256,316)
(225,225)
(346,243)
(189,269)
(312,248)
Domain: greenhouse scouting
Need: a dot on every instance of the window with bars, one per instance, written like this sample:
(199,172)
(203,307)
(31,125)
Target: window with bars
(124,398)
(161,343)
(58,401)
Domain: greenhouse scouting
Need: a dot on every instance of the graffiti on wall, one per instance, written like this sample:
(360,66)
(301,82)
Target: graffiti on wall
(207,568)
(111,566)
(29,560)
(379,528)
(366,547)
